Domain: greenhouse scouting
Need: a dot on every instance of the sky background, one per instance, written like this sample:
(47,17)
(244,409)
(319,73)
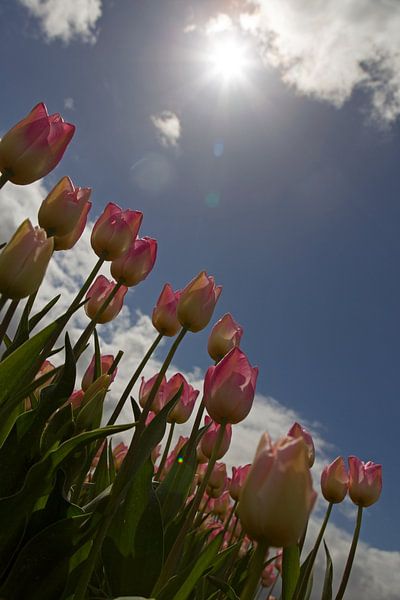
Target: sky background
(282,183)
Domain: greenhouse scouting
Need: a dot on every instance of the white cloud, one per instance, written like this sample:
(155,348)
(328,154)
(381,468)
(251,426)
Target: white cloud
(67,21)
(69,103)
(168,128)
(375,572)
(219,24)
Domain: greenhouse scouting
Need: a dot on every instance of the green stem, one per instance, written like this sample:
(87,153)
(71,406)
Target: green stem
(255,569)
(304,580)
(3,179)
(7,319)
(133,380)
(166,451)
(350,559)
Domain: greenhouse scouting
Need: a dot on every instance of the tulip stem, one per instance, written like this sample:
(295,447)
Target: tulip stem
(229,519)
(133,380)
(86,285)
(7,319)
(3,179)
(349,563)
(255,569)
(303,582)
(166,450)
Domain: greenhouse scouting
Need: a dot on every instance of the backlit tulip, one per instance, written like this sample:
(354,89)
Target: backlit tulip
(61,210)
(335,481)
(217,481)
(209,438)
(225,335)
(365,483)
(114,231)
(24,261)
(197,302)
(164,316)
(297,431)
(229,388)
(239,475)
(105,364)
(68,241)
(98,294)
(76,399)
(277,496)
(137,262)
(144,392)
(34,146)
(184,407)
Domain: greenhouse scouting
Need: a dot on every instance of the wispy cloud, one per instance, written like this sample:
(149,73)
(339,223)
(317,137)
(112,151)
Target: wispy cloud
(168,128)
(66,21)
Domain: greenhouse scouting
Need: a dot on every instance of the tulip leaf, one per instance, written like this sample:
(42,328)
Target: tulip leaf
(327,589)
(35,320)
(290,571)
(223,586)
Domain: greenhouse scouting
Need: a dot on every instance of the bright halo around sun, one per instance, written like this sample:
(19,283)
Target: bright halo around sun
(228,60)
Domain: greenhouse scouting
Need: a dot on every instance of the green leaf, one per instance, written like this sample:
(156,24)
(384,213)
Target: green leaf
(327,589)
(59,428)
(35,320)
(229,592)
(290,571)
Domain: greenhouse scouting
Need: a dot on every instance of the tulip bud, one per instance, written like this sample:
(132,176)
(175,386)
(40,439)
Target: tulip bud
(277,497)
(208,441)
(137,262)
(335,481)
(76,399)
(105,364)
(239,475)
(365,483)
(24,261)
(114,231)
(197,302)
(225,335)
(61,210)
(98,294)
(164,316)
(297,431)
(184,407)
(34,146)
(229,388)
(217,481)
(145,390)
(68,241)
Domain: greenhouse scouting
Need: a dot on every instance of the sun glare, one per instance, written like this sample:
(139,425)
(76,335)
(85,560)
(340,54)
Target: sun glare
(228,60)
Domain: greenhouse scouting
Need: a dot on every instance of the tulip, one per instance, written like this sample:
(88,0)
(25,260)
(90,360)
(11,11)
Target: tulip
(24,261)
(98,294)
(174,454)
(277,497)
(217,481)
(268,576)
(144,393)
(222,505)
(297,431)
(225,335)
(34,146)
(209,439)
(197,302)
(365,482)
(164,316)
(68,241)
(105,364)
(119,453)
(136,263)
(184,407)
(114,231)
(61,210)
(76,399)
(229,388)
(335,481)
(239,475)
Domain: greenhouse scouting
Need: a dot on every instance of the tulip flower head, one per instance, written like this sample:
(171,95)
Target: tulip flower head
(164,316)
(335,481)
(136,263)
(365,483)
(76,399)
(60,212)
(34,146)
(239,475)
(268,576)
(297,431)
(145,390)
(225,335)
(185,404)
(197,302)
(119,453)
(209,439)
(68,241)
(114,231)
(24,261)
(105,364)
(217,481)
(98,294)
(277,496)
(229,388)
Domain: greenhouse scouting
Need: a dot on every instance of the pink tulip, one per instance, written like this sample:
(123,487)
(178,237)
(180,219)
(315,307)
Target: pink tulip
(136,263)
(217,481)
(60,212)
(229,388)
(335,481)
(201,471)
(268,575)
(76,399)
(164,316)
(105,364)
(173,455)
(68,241)
(150,417)
(365,483)
(144,393)
(239,475)
(114,231)
(297,431)
(34,146)
(119,453)
(184,407)
(222,505)
(225,335)
(278,496)
(98,294)
(197,302)
(209,439)
(24,261)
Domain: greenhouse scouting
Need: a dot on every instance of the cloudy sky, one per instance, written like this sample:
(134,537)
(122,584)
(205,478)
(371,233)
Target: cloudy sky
(261,141)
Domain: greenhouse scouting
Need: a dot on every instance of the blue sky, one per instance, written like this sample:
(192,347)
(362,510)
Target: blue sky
(284,185)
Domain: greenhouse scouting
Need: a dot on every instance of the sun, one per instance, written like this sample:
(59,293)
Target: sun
(228,60)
